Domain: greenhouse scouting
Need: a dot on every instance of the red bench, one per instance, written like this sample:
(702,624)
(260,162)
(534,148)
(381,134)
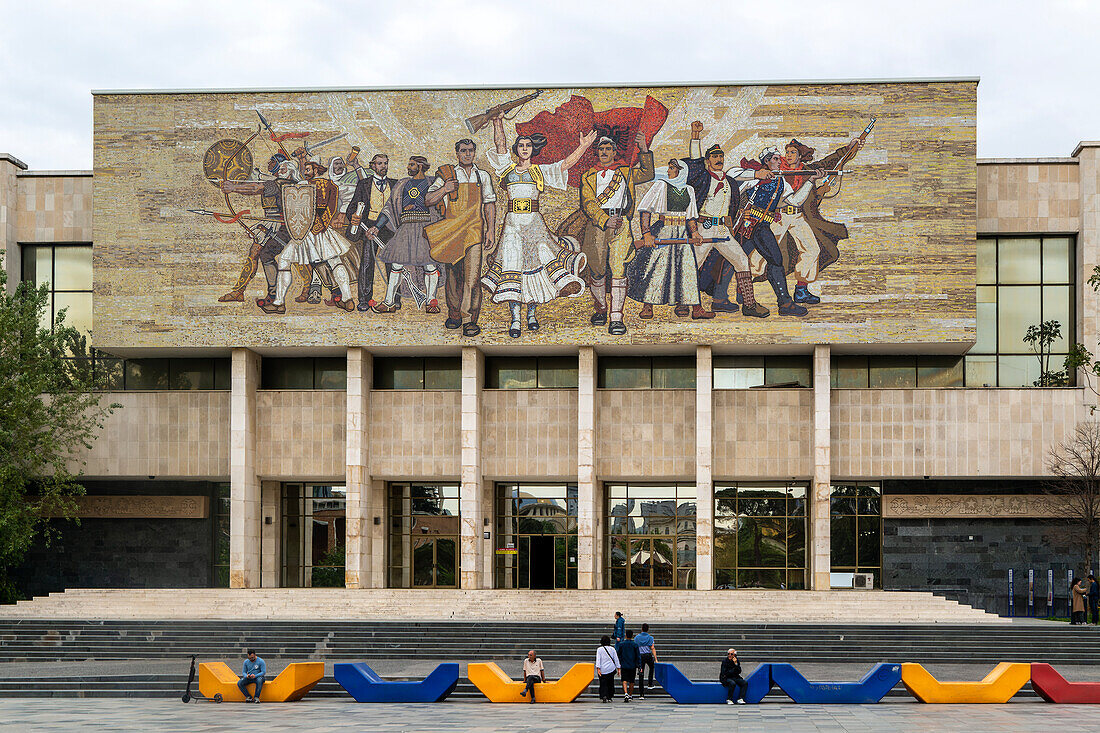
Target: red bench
(1053,687)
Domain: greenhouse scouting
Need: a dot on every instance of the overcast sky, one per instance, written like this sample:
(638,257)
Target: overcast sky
(1038,61)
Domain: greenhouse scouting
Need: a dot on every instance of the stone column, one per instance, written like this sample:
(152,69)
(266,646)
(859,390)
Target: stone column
(704,475)
(820,548)
(357,564)
(589,570)
(378,538)
(470,508)
(244,491)
(9,207)
(1088,249)
(271,534)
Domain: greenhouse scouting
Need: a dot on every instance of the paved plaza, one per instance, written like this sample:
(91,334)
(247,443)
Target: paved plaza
(319,716)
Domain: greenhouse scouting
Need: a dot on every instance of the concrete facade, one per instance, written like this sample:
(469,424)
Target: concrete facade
(365,438)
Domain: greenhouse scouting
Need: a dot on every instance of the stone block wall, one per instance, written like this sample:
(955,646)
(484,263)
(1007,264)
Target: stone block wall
(645,433)
(763,433)
(300,434)
(529,433)
(126,553)
(939,555)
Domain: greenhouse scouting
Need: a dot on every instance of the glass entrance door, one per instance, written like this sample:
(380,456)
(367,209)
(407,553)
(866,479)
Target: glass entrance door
(314,529)
(536,536)
(434,562)
(423,535)
(651,563)
(650,535)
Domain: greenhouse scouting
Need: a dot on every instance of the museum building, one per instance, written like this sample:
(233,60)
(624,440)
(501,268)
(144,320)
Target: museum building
(535,465)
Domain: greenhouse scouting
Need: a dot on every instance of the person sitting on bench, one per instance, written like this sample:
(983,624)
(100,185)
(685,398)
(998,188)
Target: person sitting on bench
(731,679)
(255,670)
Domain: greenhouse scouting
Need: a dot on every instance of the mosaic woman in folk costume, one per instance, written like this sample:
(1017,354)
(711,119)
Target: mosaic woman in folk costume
(664,271)
(530,264)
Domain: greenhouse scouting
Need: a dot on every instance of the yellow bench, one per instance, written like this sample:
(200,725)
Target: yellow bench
(216,678)
(1004,681)
(499,687)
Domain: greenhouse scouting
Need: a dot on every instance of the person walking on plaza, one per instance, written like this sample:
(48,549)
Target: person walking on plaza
(647,655)
(620,627)
(1080,596)
(607,666)
(255,671)
(1094,599)
(532,672)
(731,679)
(627,649)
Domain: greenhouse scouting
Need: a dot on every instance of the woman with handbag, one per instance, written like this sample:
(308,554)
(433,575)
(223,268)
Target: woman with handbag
(607,666)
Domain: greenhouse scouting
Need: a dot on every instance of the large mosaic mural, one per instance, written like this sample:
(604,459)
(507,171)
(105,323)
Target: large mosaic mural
(816,213)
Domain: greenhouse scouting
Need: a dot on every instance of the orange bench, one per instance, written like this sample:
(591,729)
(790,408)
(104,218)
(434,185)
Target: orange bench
(499,687)
(216,678)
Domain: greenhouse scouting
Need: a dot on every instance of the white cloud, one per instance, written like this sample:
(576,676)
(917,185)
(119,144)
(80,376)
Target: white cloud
(1036,62)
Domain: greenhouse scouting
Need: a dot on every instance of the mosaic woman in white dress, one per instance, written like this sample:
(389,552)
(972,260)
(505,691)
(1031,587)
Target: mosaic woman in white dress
(531,265)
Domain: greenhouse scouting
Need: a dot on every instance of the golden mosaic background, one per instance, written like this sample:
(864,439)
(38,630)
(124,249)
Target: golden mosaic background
(906,274)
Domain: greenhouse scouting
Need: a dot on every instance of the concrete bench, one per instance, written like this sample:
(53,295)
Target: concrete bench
(499,687)
(686,692)
(872,688)
(1053,687)
(1004,681)
(216,678)
(364,684)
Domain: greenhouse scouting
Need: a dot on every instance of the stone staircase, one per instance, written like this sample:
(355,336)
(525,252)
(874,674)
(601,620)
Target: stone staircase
(149,658)
(335,604)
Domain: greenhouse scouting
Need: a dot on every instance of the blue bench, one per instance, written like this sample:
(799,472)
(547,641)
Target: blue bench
(365,685)
(872,688)
(686,692)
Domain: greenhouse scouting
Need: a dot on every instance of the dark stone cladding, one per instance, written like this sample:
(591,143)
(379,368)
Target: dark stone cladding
(939,555)
(126,553)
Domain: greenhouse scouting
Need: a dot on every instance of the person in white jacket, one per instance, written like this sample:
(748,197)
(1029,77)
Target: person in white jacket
(607,666)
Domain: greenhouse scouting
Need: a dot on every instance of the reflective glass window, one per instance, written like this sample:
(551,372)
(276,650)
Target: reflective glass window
(856,529)
(892,371)
(1033,281)
(673,372)
(539,522)
(651,535)
(940,371)
(67,270)
(286,373)
(848,372)
(738,372)
(788,370)
(443,372)
(1018,260)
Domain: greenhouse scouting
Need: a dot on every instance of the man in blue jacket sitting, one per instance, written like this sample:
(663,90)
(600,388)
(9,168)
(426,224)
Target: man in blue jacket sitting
(255,670)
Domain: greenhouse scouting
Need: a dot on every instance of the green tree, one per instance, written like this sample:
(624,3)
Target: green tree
(49,416)
(1079,355)
(1040,338)
(1074,487)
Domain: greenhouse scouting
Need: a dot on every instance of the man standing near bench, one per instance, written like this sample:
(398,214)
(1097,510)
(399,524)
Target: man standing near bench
(255,670)
(532,672)
(647,654)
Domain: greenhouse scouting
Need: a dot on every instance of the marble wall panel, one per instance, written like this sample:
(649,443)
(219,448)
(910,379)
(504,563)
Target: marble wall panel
(763,433)
(645,434)
(529,433)
(300,434)
(414,434)
(886,433)
(1028,197)
(163,434)
(54,208)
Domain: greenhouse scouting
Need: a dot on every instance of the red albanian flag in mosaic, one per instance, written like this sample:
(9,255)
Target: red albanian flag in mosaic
(564,126)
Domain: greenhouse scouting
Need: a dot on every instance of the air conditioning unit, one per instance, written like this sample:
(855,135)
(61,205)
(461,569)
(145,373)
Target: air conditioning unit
(863,581)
